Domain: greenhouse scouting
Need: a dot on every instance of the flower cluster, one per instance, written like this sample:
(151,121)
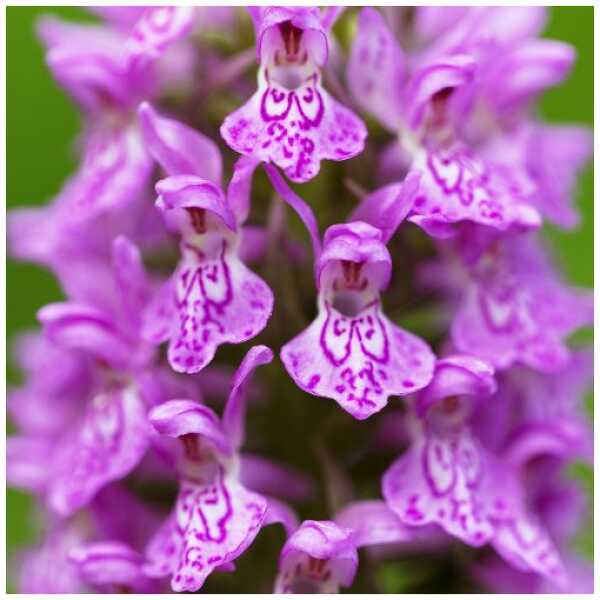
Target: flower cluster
(172,240)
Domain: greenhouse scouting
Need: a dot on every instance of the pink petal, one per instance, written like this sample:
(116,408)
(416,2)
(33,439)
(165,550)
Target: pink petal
(211,526)
(357,361)
(108,443)
(295,129)
(217,301)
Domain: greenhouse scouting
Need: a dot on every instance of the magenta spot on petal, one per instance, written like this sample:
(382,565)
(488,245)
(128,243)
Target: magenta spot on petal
(313,381)
(408,383)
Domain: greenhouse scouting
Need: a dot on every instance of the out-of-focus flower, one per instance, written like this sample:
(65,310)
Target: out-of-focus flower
(56,565)
(515,309)
(96,366)
(448,477)
(426,96)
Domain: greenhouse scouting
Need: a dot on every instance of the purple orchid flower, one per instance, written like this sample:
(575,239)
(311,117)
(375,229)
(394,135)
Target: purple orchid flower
(543,161)
(424,103)
(213,297)
(112,567)
(50,567)
(321,556)
(485,433)
(561,506)
(108,70)
(95,367)
(317,558)
(109,73)
(215,518)
(513,64)
(447,477)
(291,120)
(514,308)
(351,352)
(527,396)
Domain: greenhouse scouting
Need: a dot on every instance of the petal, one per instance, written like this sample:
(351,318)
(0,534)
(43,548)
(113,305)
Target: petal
(56,382)
(111,565)
(535,440)
(180,417)
(234,414)
(86,61)
(115,169)
(26,462)
(555,157)
(131,280)
(35,411)
(280,512)
(525,71)
(253,245)
(218,301)
(157,30)
(132,524)
(524,544)
(387,207)
(31,234)
(159,314)
(486,29)
(355,242)
(443,74)
(557,397)
(331,546)
(212,526)
(330,16)
(121,17)
(498,577)
(457,375)
(372,522)
(79,327)
(239,190)
(179,149)
(457,187)
(431,22)
(441,479)
(189,191)
(376,69)
(510,24)
(357,361)
(306,18)
(105,446)
(524,319)
(295,129)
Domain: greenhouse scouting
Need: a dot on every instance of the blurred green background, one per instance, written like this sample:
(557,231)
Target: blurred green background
(42,123)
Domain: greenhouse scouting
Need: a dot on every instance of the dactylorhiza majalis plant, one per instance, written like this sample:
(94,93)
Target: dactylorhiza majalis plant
(361,192)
